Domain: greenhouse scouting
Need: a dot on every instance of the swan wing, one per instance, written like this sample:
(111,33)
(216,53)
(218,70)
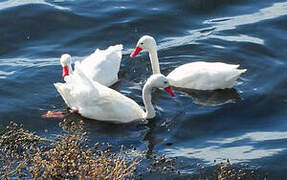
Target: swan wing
(205,75)
(78,89)
(103,103)
(114,107)
(103,65)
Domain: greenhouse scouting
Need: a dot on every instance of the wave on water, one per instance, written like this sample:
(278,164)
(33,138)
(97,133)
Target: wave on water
(14,3)
(228,23)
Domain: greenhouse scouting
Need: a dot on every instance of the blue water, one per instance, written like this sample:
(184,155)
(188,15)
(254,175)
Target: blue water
(246,124)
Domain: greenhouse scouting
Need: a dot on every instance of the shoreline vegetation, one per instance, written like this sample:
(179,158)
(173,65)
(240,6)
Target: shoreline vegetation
(23,154)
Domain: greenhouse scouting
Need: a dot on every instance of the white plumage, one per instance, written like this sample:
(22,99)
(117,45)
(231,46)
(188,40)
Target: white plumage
(205,75)
(103,65)
(95,101)
(196,75)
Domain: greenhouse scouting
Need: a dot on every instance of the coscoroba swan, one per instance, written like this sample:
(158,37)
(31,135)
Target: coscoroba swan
(196,75)
(95,101)
(101,66)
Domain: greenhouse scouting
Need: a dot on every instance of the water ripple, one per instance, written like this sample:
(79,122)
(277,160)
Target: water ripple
(233,148)
(228,23)
(237,154)
(3,74)
(239,38)
(15,3)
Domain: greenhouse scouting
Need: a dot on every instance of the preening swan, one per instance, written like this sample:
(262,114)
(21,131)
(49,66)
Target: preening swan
(95,101)
(196,75)
(101,66)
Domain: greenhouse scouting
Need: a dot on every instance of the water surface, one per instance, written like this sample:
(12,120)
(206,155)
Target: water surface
(246,124)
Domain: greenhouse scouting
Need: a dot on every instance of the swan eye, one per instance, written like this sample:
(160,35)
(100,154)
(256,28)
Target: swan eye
(165,82)
(142,43)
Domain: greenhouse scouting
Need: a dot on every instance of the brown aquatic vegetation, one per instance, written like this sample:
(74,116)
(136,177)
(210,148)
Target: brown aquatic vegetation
(226,171)
(25,154)
(70,158)
(16,144)
(163,164)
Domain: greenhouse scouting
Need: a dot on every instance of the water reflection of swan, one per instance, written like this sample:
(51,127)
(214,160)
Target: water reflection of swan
(150,140)
(212,98)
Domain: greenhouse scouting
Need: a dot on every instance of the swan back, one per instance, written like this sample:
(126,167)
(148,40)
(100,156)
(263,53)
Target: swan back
(205,75)
(103,65)
(106,104)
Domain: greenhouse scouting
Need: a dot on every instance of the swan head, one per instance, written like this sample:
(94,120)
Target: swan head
(160,81)
(146,42)
(66,61)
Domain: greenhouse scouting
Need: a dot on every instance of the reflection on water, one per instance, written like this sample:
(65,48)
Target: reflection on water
(236,154)
(239,149)
(3,74)
(229,23)
(212,98)
(14,3)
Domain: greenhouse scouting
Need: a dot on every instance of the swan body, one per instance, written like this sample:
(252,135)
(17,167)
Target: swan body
(101,66)
(205,76)
(95,101)
(196,75)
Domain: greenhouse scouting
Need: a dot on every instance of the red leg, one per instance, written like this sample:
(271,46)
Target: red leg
(51,114)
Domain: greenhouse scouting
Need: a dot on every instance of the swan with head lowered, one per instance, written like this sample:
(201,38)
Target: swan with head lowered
(101,66)
(95,101)
(195,75)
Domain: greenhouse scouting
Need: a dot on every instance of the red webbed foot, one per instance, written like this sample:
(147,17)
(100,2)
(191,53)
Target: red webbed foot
(51,114)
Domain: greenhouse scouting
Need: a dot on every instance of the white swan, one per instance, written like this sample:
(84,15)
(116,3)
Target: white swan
(196,75)
(101,66)
(95,101)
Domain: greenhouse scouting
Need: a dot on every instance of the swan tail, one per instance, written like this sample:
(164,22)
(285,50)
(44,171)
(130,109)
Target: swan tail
(115,52)
(236,75)
(235,66)
(239,71)
(242,71)
(115,48)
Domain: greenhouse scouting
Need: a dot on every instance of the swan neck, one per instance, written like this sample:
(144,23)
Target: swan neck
(154,61)
(150,112)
